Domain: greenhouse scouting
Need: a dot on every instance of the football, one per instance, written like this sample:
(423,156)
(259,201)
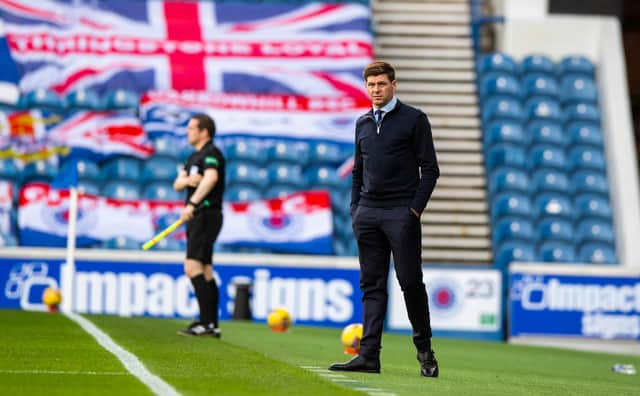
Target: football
(52,298)
(279,320)
(351,336)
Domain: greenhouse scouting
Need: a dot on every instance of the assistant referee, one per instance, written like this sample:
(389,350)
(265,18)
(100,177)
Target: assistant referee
(203,178)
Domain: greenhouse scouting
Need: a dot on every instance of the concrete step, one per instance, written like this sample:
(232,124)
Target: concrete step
(436,98)
(403,29)
(475,256)
(437,75)
(459,193)
(432,64)
(456,134)
(424,42)
(453,122)
(460,242)
(430,18)
(446,205)
(450,218)
(457,145)
(423,53)
(460,158)
(461,170)
(405,85)
(462,182)
(458,230)
(420,7)
(454,110)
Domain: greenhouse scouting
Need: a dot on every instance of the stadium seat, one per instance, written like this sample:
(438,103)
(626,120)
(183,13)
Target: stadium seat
(540,86)
(184,154)
(503,108)
(121,243)
(242,193)
(43,99)
(87,186)
(576,88)
(499,84)
(597,253)
(9,169)
(584,134)
(586,158)
(323,177)
(86,168)
(578,65)
(497,62)
(592,206)
(510,204)
(553,229)
(546,132)
(167,146)
(125,190)
(8,240)
(39,171)
(160,168)
(278,191)
(539,64)
(509,229)
(556,252)
(82,99)
(121,168)
(245,173)
(323,153)
(169,245)
(553,205)
(543,109)
(504,155)
(548,180)
(286,174)
(594,230)
(340,247)
(514,251)
(582,112)
(341,202)
(505,132)
(287,152)
(544,156)
(161,191)
(509,180)
(590,182)
(246,151)
(342,227)
(120,99)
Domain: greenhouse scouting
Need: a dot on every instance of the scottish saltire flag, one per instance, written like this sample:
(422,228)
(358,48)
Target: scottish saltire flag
(297,117)
(304,48)
(9,76)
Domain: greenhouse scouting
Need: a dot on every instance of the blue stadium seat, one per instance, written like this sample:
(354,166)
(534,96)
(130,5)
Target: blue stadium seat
(514,251)
(497,62)
(536,63)
(342,227)
(546,132)
(324,176)
(543,109)
(167,146)
(279,191)
(576,88)
(340,247)
(549,180)
(590,182)
(509,229)
(544,156)
(87,186)
(504,108)
(540,85)
(242,193)
(86,168)
(576,64)
(43,99)
(499,84)
(39,171)
(553,205)
(341,202)
(126,190)
(120,99)
(510,204)
(169,245)
(9,169)
(509,180)
(286,174)
(246,151)
(245,173)
(8,240)
(504,155)
(121,243)
(82,99)
(161,191)
(594,230)
(553,229)
(160,168)
(584,134)
(121,168)
(505,132)
(584,158)
(582,112)
(556,252)
(592,206)
(287,152)
(185,152)
(597,253)
(324,153)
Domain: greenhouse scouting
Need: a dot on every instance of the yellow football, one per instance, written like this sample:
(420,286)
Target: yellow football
(51,297)
(351,336)
(279,320)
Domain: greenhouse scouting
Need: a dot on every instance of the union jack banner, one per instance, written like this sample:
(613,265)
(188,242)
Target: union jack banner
(306,48)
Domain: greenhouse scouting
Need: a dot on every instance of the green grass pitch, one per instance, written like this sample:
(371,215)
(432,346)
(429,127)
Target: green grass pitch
(50,355)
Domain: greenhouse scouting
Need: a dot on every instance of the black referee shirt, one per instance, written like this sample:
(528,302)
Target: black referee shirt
(208,157)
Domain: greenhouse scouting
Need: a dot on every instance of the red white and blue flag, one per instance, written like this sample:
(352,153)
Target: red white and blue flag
(304,48)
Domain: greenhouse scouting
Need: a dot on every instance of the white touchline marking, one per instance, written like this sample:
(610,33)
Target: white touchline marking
(344,380)
(128,359)
(61,372)
(310,367)
(357,385)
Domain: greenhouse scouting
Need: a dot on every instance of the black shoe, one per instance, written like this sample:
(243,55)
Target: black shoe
(359,364)
(216,332)
(197,329)
(428,364)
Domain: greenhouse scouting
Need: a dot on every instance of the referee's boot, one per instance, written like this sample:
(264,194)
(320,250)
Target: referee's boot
(428,364)
(359,364)
(197,329)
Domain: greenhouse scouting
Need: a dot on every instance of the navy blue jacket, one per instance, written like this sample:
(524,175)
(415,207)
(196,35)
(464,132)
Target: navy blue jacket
(398,165)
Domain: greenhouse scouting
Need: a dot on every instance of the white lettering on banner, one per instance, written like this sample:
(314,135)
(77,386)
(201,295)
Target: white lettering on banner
(611,326)
(161,295)
(305,298)
(558,296)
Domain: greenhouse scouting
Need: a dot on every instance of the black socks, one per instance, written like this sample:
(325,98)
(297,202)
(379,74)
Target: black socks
(213,290)
(205,301)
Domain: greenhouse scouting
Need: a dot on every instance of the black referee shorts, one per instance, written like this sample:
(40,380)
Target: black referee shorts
(202,231)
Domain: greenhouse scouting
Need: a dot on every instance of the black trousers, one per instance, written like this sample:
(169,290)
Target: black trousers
(380,232)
